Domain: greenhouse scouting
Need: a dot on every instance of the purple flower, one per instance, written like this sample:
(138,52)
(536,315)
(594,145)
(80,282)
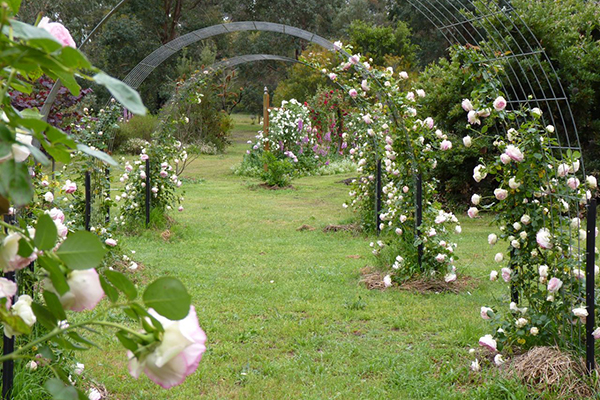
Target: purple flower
(300,124)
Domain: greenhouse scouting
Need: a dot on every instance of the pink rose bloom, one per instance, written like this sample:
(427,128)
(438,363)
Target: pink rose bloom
(364,85)
(472,212)
(110,242)
(60,33)
(554,285)
(70,187)
(506,274)
(354,59)
(573,183)
(10,260)
(353,93)
(56,214)
(177,356)
(473,118)
(367,119)
(144,157)
(403,75)
(405,189)
(450,277)
(488,342)
(429,122)
(347,66)
(466,105)
(61,229)
(180,208)
(484,312)
(7,290)
(514,153)
(445,145)
(504,158)
(84,290)
(596,333)
(332,76)
(500,194)
(499,103)
(164,174)
(337,45)
(543,238)
(410,96)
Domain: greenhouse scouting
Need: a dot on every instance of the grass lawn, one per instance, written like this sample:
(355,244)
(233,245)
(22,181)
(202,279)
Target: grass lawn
(285,314)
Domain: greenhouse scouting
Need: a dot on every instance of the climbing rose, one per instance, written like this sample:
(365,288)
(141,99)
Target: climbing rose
(596,333)
(493,276)
(475,199)
(332,76)
(353,93)
(488,342)
(10,260)
(110,242)
(543,238)
(484,312)
(445,145)
(403,75)
(466,105)
(492,238)
(337,45)
(498,257)
(387,281)
(472,212)
(49,197)
(478,175)
(580,312)
(591,182)
(506,274)
(177,356)
(450,277)
(84,290)
(467,141)
(7,289)
(500,193)
(514,153)
(70,187)
(499,103)
(498,360)
(504,158)
(573,183)
(19,152)
(60,33)
(554,285)
(473,117)
(22,308)
(364,85)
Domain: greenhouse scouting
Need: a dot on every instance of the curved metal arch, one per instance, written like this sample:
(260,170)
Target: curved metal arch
(145,67)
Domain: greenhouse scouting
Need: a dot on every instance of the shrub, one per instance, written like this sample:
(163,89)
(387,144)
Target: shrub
(276,172)
(139,127)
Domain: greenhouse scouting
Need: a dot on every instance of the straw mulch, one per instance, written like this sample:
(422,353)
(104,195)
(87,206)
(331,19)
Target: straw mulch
(342,228)
(373,279)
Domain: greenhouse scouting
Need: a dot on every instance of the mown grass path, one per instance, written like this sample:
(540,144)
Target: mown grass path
(285,314)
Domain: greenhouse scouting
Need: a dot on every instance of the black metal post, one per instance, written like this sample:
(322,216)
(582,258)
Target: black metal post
(419,213)
(590,279)
(378,197)
(148,193)
(514,292)
(107,175)
(8,366)
(88,200)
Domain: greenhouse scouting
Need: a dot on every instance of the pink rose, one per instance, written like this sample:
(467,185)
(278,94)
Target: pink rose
(488,342)
(484,312)
(506,272)
(472,212)
(466,105)
(445,145)
(364,85)
(354,59)
(70,187)
(543,238)
(504,158)
(499,103)
(110,242)
(473,117)
(573,183)
(500,194)
(56,214)
(353,93)
(164,174)
(554,285)
(84,290)
(514,153)
(144,157)
(429,122)
(60,33)
(7,290)
(177,356)
(10,260)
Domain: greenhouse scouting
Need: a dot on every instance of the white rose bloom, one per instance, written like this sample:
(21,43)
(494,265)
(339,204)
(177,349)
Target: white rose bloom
(492,238)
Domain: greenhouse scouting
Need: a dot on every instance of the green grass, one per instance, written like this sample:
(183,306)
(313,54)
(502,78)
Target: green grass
(285,314)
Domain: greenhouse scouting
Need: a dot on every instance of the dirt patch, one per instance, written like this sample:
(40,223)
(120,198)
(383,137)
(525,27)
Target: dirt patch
(347,181)
(342,228)
(551,369)
(166,235)
(354,256)
(373,280)
(306,228)
(275,187)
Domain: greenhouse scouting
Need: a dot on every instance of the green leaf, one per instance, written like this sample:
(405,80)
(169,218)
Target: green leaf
(44,316)
(74,58)
(100,155)
(54,305)
(15,182)
(123,93)
(46,352)
(126,341)
(81,250)
(168,297)
(4,206)
(111,292)
(38,155)
(45,233)
(14,321)
(60,391)
(14,5)
(25,248)
(121,282)
(59,281)
(36,35)
(80,339)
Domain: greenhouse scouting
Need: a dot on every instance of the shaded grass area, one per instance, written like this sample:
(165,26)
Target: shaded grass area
(285,314)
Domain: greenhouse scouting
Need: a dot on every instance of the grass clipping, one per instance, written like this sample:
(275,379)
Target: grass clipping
(373,280)
(550,369)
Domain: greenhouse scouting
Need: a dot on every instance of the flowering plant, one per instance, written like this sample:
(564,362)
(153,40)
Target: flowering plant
(66,262)
(536,204)
(391,132)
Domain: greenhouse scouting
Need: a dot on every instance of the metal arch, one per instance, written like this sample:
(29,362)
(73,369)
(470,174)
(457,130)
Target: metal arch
(141,71)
